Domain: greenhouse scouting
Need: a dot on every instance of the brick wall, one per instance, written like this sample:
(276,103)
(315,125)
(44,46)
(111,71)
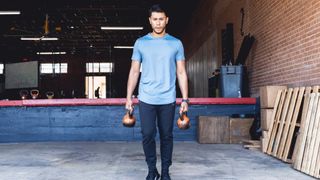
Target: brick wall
(286,51)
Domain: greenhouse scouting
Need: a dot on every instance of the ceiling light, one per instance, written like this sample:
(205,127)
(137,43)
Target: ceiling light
(39,39)
(50,53)
(123,47)
(120,28)
(9,12)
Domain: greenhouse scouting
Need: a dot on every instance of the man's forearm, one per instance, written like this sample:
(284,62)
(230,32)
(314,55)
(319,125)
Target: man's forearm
(183,84)
(132,82)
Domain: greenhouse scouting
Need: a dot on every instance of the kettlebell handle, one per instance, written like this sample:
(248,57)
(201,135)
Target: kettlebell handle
(130,113)
(181,115)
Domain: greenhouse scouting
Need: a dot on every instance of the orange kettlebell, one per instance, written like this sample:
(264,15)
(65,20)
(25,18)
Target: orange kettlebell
(183,121)
(128,119)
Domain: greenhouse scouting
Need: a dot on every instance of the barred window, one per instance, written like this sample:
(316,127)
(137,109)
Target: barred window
(50,68)
(106,67)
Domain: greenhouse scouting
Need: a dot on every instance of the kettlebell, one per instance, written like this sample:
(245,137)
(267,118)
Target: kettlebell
(183,121)
(128,119)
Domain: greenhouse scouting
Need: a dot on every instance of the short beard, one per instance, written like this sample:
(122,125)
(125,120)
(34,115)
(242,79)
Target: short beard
(163,30)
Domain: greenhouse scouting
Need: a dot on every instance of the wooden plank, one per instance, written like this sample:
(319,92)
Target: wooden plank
(317,168)
(293,124)
(282,122)
(264,144)
(268,95)
(315,89)
(274,113)
(304,131)
(264,141)
(266,118)
(308,145)
(305,108)
(250,146)
(315,142)
(251,142)
(311,157)
(287,123)
(213,129)
(275,123)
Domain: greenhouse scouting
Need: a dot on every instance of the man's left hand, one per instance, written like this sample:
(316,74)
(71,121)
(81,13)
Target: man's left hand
(183,107)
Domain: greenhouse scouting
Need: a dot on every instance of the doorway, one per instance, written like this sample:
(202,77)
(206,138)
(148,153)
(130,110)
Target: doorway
(92,85)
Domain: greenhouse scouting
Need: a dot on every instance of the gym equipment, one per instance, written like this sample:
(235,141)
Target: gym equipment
(128,119)
(34,93)
(50,94)
(183,121)
(23,94)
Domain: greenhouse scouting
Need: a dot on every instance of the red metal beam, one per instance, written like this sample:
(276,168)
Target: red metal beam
(117,102)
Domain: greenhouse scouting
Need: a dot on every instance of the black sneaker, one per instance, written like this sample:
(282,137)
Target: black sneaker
(165,175)
(153,175)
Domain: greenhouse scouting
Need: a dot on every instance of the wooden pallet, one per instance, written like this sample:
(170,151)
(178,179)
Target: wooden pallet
(286,123)
(276,117)
(314,145)
(302,124)
(275,112)
(281,123)
(306,156)
(292,126)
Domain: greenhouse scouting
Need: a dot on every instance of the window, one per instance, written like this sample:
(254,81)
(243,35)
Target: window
(63,68)
(99,67)
(1,68)
(50,68)
(46,68)
(106,67)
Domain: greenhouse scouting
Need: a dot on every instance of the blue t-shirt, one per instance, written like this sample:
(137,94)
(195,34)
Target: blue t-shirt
(158,57)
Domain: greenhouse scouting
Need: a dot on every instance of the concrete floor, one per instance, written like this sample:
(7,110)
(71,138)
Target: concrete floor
(125,161)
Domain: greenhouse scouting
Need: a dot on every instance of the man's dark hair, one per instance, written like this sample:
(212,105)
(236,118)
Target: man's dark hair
(157,8)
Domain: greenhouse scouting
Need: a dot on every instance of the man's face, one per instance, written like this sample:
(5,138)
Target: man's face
(158,22)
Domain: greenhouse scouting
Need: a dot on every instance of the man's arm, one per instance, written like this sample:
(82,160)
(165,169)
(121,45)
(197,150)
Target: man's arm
(183,83)
(132,82)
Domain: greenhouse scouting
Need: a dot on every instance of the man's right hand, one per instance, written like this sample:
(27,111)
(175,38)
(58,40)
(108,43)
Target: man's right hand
(129,106)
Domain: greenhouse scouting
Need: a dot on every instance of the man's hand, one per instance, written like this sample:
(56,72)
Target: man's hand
(183,107)
(129,106)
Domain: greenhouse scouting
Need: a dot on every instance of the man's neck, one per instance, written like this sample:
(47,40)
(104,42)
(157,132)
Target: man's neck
(157,35)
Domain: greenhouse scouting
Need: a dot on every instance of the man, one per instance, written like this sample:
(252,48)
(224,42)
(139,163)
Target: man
(162,59)
(97,92)
(213,84)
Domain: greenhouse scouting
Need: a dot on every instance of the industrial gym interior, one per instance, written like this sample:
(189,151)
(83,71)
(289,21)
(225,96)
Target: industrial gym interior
(253,71)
